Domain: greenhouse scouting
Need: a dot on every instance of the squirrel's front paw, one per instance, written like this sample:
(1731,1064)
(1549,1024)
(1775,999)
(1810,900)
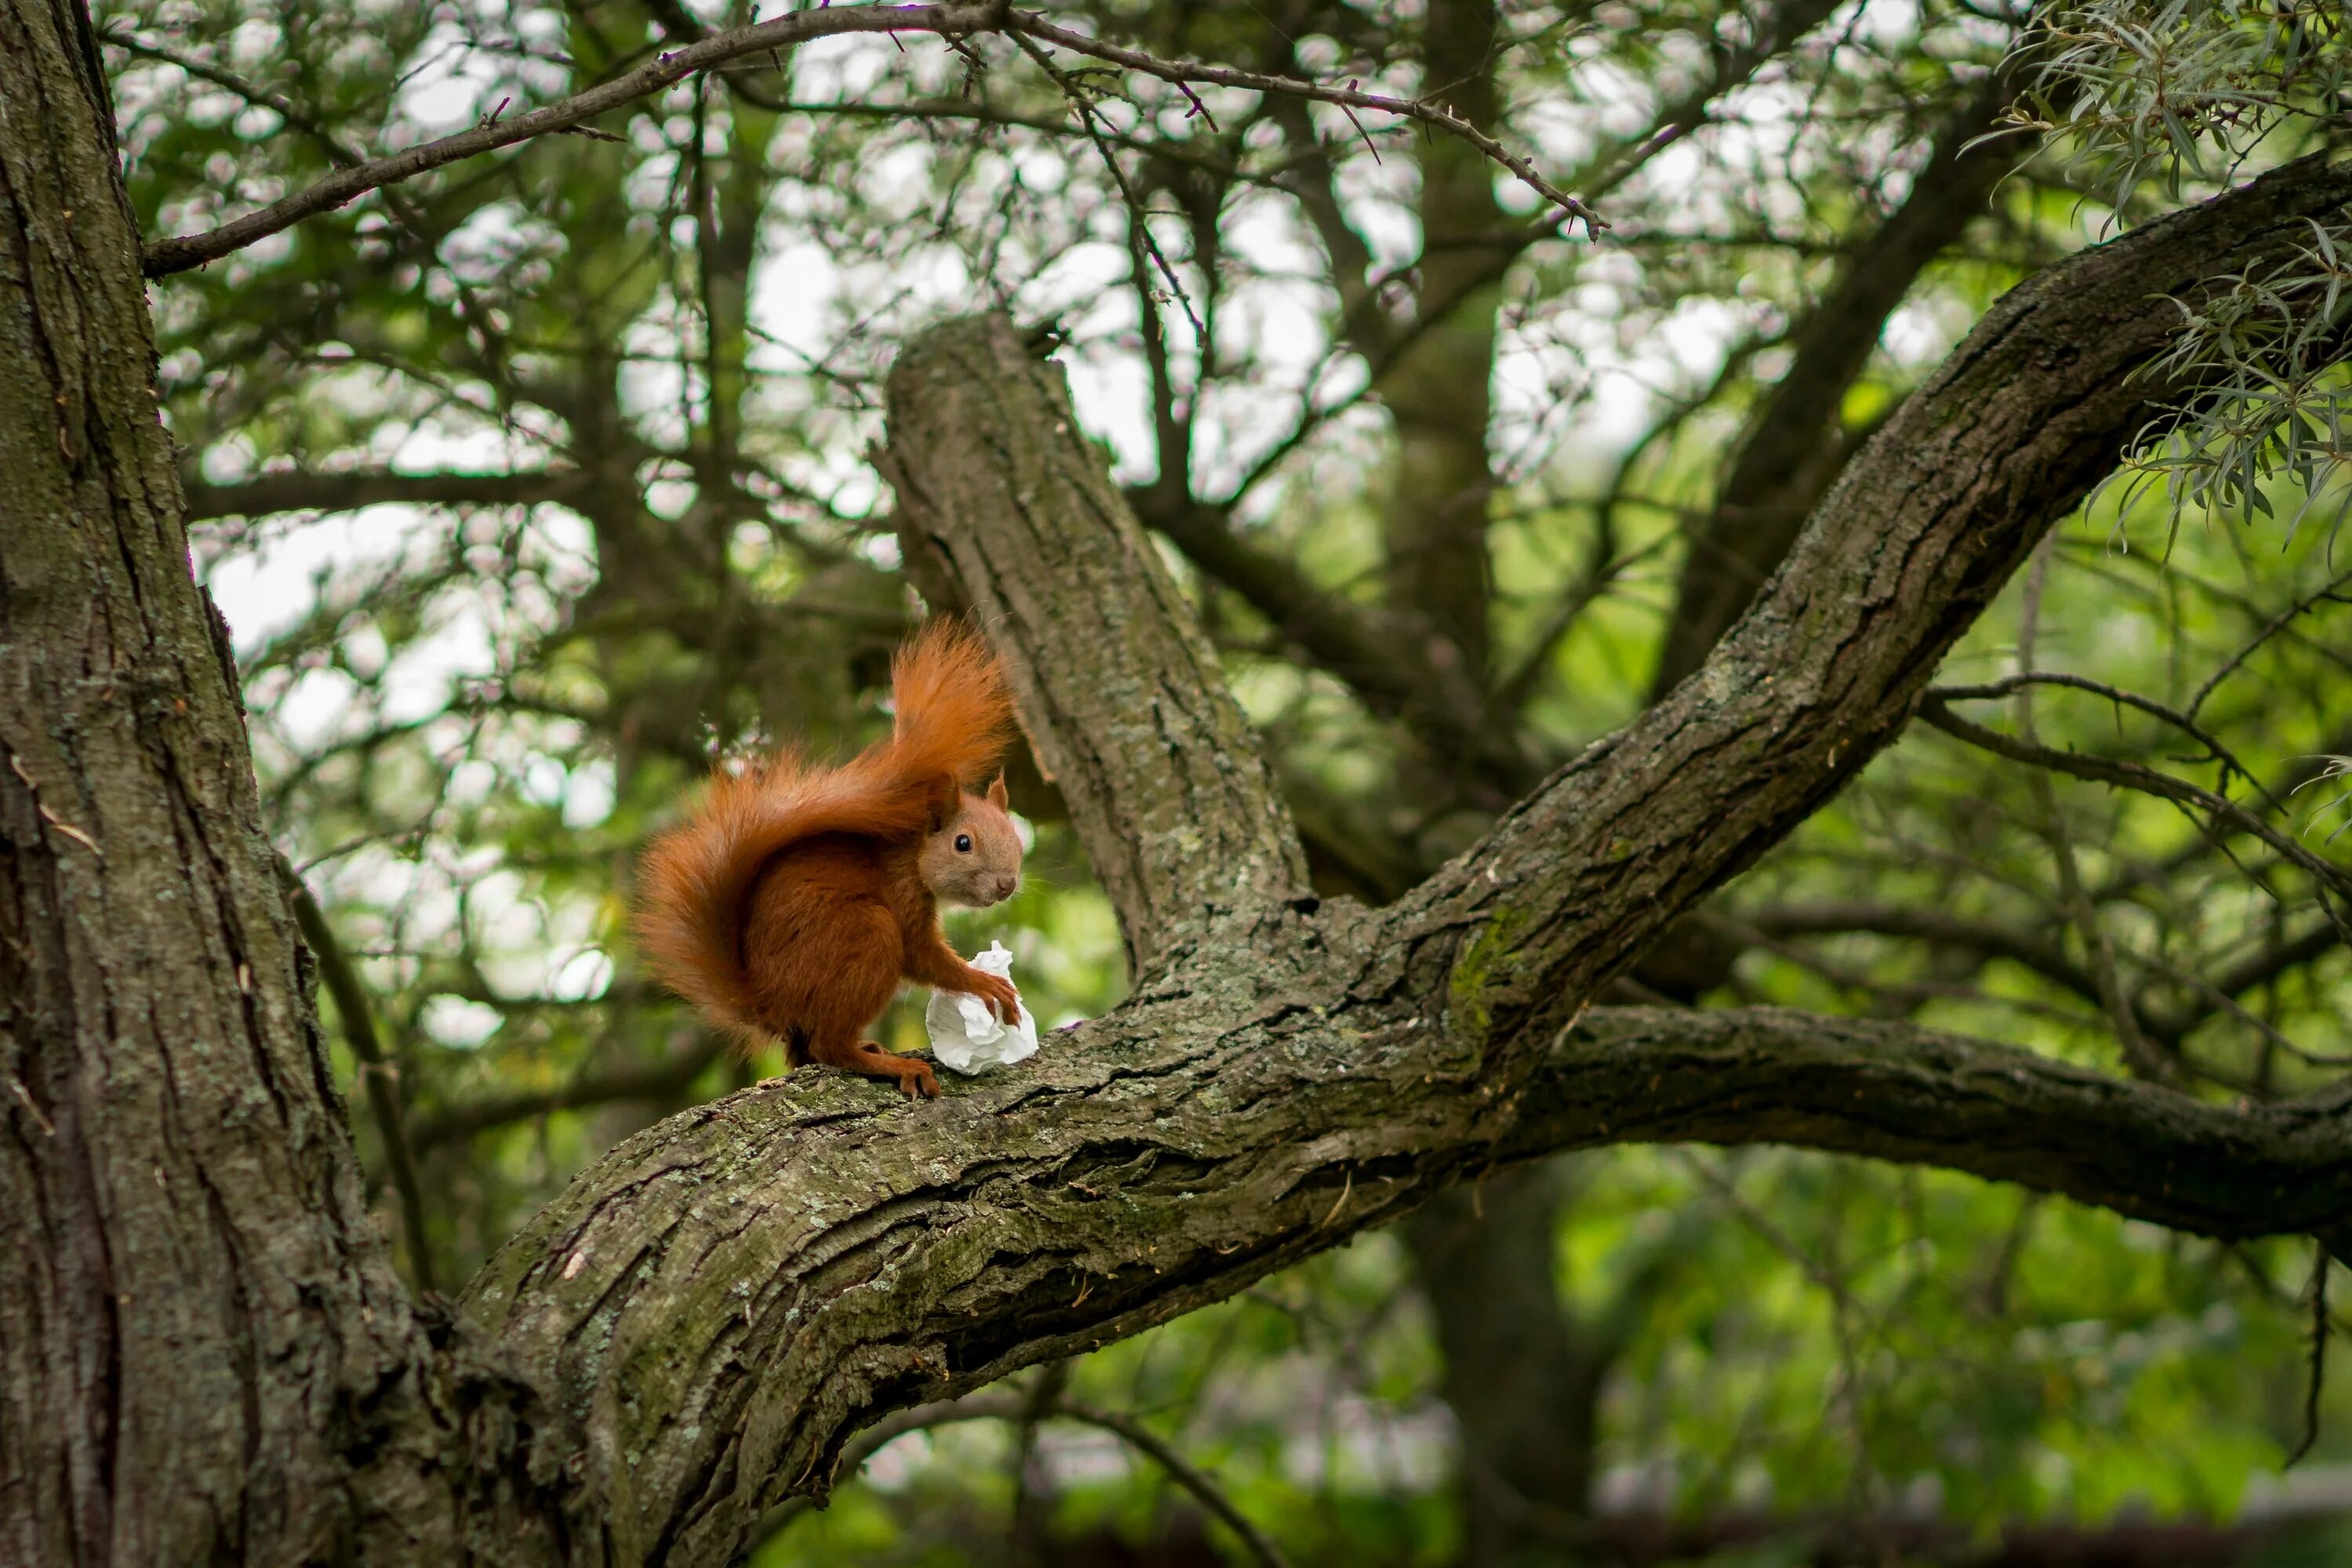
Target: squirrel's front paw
(994,990)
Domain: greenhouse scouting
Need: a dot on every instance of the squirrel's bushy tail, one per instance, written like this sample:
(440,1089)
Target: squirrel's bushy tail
(695,880)
(953,710)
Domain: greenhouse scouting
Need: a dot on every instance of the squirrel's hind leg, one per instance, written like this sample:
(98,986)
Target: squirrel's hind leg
(849,975)
(868,1058)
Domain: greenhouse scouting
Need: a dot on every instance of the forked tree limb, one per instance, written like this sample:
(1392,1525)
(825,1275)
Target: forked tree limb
(716,1307)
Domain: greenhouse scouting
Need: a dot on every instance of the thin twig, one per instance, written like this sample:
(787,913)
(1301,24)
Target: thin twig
(1142,215)
(379,1075)
(2140,1056)
(278,103)
(2225,813)
(2318,1356)
(1183,73)
(1204,1490)
(2010,684)
(2277,624)
(1008,1405)
(954,21)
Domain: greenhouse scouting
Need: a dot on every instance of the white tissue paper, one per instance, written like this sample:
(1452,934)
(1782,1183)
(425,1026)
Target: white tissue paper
(965,1033)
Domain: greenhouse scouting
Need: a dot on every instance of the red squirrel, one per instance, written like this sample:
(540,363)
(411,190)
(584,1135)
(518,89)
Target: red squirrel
(796,896)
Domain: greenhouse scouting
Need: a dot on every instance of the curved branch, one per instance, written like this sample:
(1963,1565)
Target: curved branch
(951,20)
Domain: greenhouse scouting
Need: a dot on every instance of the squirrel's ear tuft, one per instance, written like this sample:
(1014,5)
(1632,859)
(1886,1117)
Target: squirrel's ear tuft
(996,795)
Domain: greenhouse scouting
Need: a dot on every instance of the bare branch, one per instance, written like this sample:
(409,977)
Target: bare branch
(641,1081)
(1018,1406)
(2223,812)
(1186,73)
(2010,684)
(953,19)
(278,103)
(1204,1490)
(377,1073)
(270,494)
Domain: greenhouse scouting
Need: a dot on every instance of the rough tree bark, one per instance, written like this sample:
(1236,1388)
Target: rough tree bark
(203,1354)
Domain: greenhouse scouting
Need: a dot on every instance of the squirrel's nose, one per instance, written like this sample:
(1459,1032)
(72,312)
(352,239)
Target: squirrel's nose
(1007,886)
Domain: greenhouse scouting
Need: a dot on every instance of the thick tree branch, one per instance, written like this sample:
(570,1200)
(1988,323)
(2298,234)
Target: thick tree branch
(792,1261)
(1919,533)
(1897,1092)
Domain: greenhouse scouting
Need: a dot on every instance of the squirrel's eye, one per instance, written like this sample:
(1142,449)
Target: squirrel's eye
(963,843)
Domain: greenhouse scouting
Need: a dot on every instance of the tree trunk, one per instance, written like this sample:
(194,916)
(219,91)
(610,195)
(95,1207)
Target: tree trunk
(1439,389)
(205,1355)
(1523,1390)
